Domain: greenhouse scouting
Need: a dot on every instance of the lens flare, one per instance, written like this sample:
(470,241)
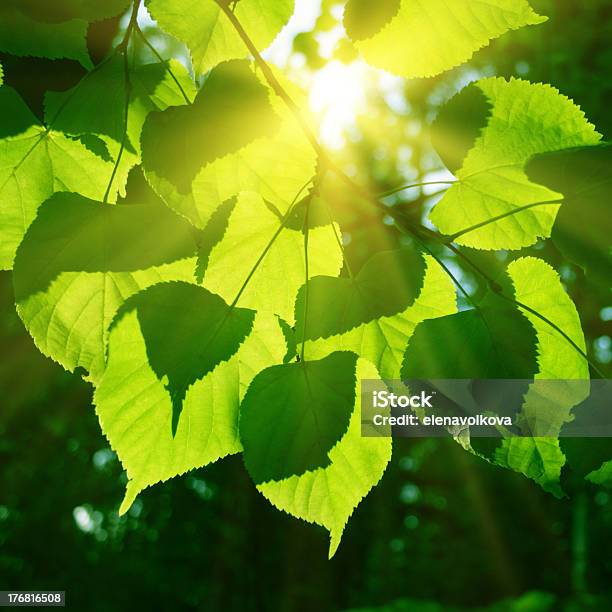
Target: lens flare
(337,96)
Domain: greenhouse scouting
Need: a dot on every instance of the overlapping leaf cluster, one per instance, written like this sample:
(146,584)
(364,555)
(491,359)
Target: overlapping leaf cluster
(211,312)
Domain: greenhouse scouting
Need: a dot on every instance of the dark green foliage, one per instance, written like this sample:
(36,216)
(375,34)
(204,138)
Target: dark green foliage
(187,331)
(231,110)
(15,117)
(72,233)
(582,227)
(331,306)
(293,415)
(65,10)
(458,125)
(492,343)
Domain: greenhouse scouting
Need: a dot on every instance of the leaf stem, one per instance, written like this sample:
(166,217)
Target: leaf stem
(257,264)
(339,241)
(498,290)
(306,231)
(270,77)
(123,48)
(128,87)
(384,194)
(163,61)
(467,230)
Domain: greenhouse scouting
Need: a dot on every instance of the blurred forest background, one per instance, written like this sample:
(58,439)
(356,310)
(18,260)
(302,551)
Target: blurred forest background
(442,531)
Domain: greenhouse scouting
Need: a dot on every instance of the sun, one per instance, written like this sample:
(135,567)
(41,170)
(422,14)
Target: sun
(337,95)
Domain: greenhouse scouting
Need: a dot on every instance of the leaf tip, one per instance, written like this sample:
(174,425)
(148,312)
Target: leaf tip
(131,493)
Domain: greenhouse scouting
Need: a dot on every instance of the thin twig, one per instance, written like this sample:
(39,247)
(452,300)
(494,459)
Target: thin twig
(514,211)
(163,61)
(269,75)
(266,250)
(123,48)
(306,231)
(384,194)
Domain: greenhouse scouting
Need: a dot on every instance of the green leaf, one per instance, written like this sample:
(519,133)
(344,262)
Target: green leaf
(538,286)
(492,204)
(582,229)
(65,10)
(96,105)
(330,306)
(188,331)
(210,36)
(423,38)
(539,459)
(363,19)
(22,36)
(602,475)
(135,409)
(327,496)
(294,414)
(277,167)
(15,116)
(275,283)
(81,259)
(458,125)
(235,137)
(491,342)
(231,110)
(34,164)
(383,341)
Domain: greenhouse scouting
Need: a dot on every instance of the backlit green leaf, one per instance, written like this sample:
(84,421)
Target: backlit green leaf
(35,163)
(538,286)
(203,332)
(383,341)
(210,36)
(135,409)
(274,285)
(582,230)
(237,136)
(328,495)
(330,306)
(492,204)
(81,259)
(96,105)
(423,38)
(493,343)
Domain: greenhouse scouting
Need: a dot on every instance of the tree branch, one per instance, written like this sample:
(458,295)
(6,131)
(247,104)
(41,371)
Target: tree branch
(326,162)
